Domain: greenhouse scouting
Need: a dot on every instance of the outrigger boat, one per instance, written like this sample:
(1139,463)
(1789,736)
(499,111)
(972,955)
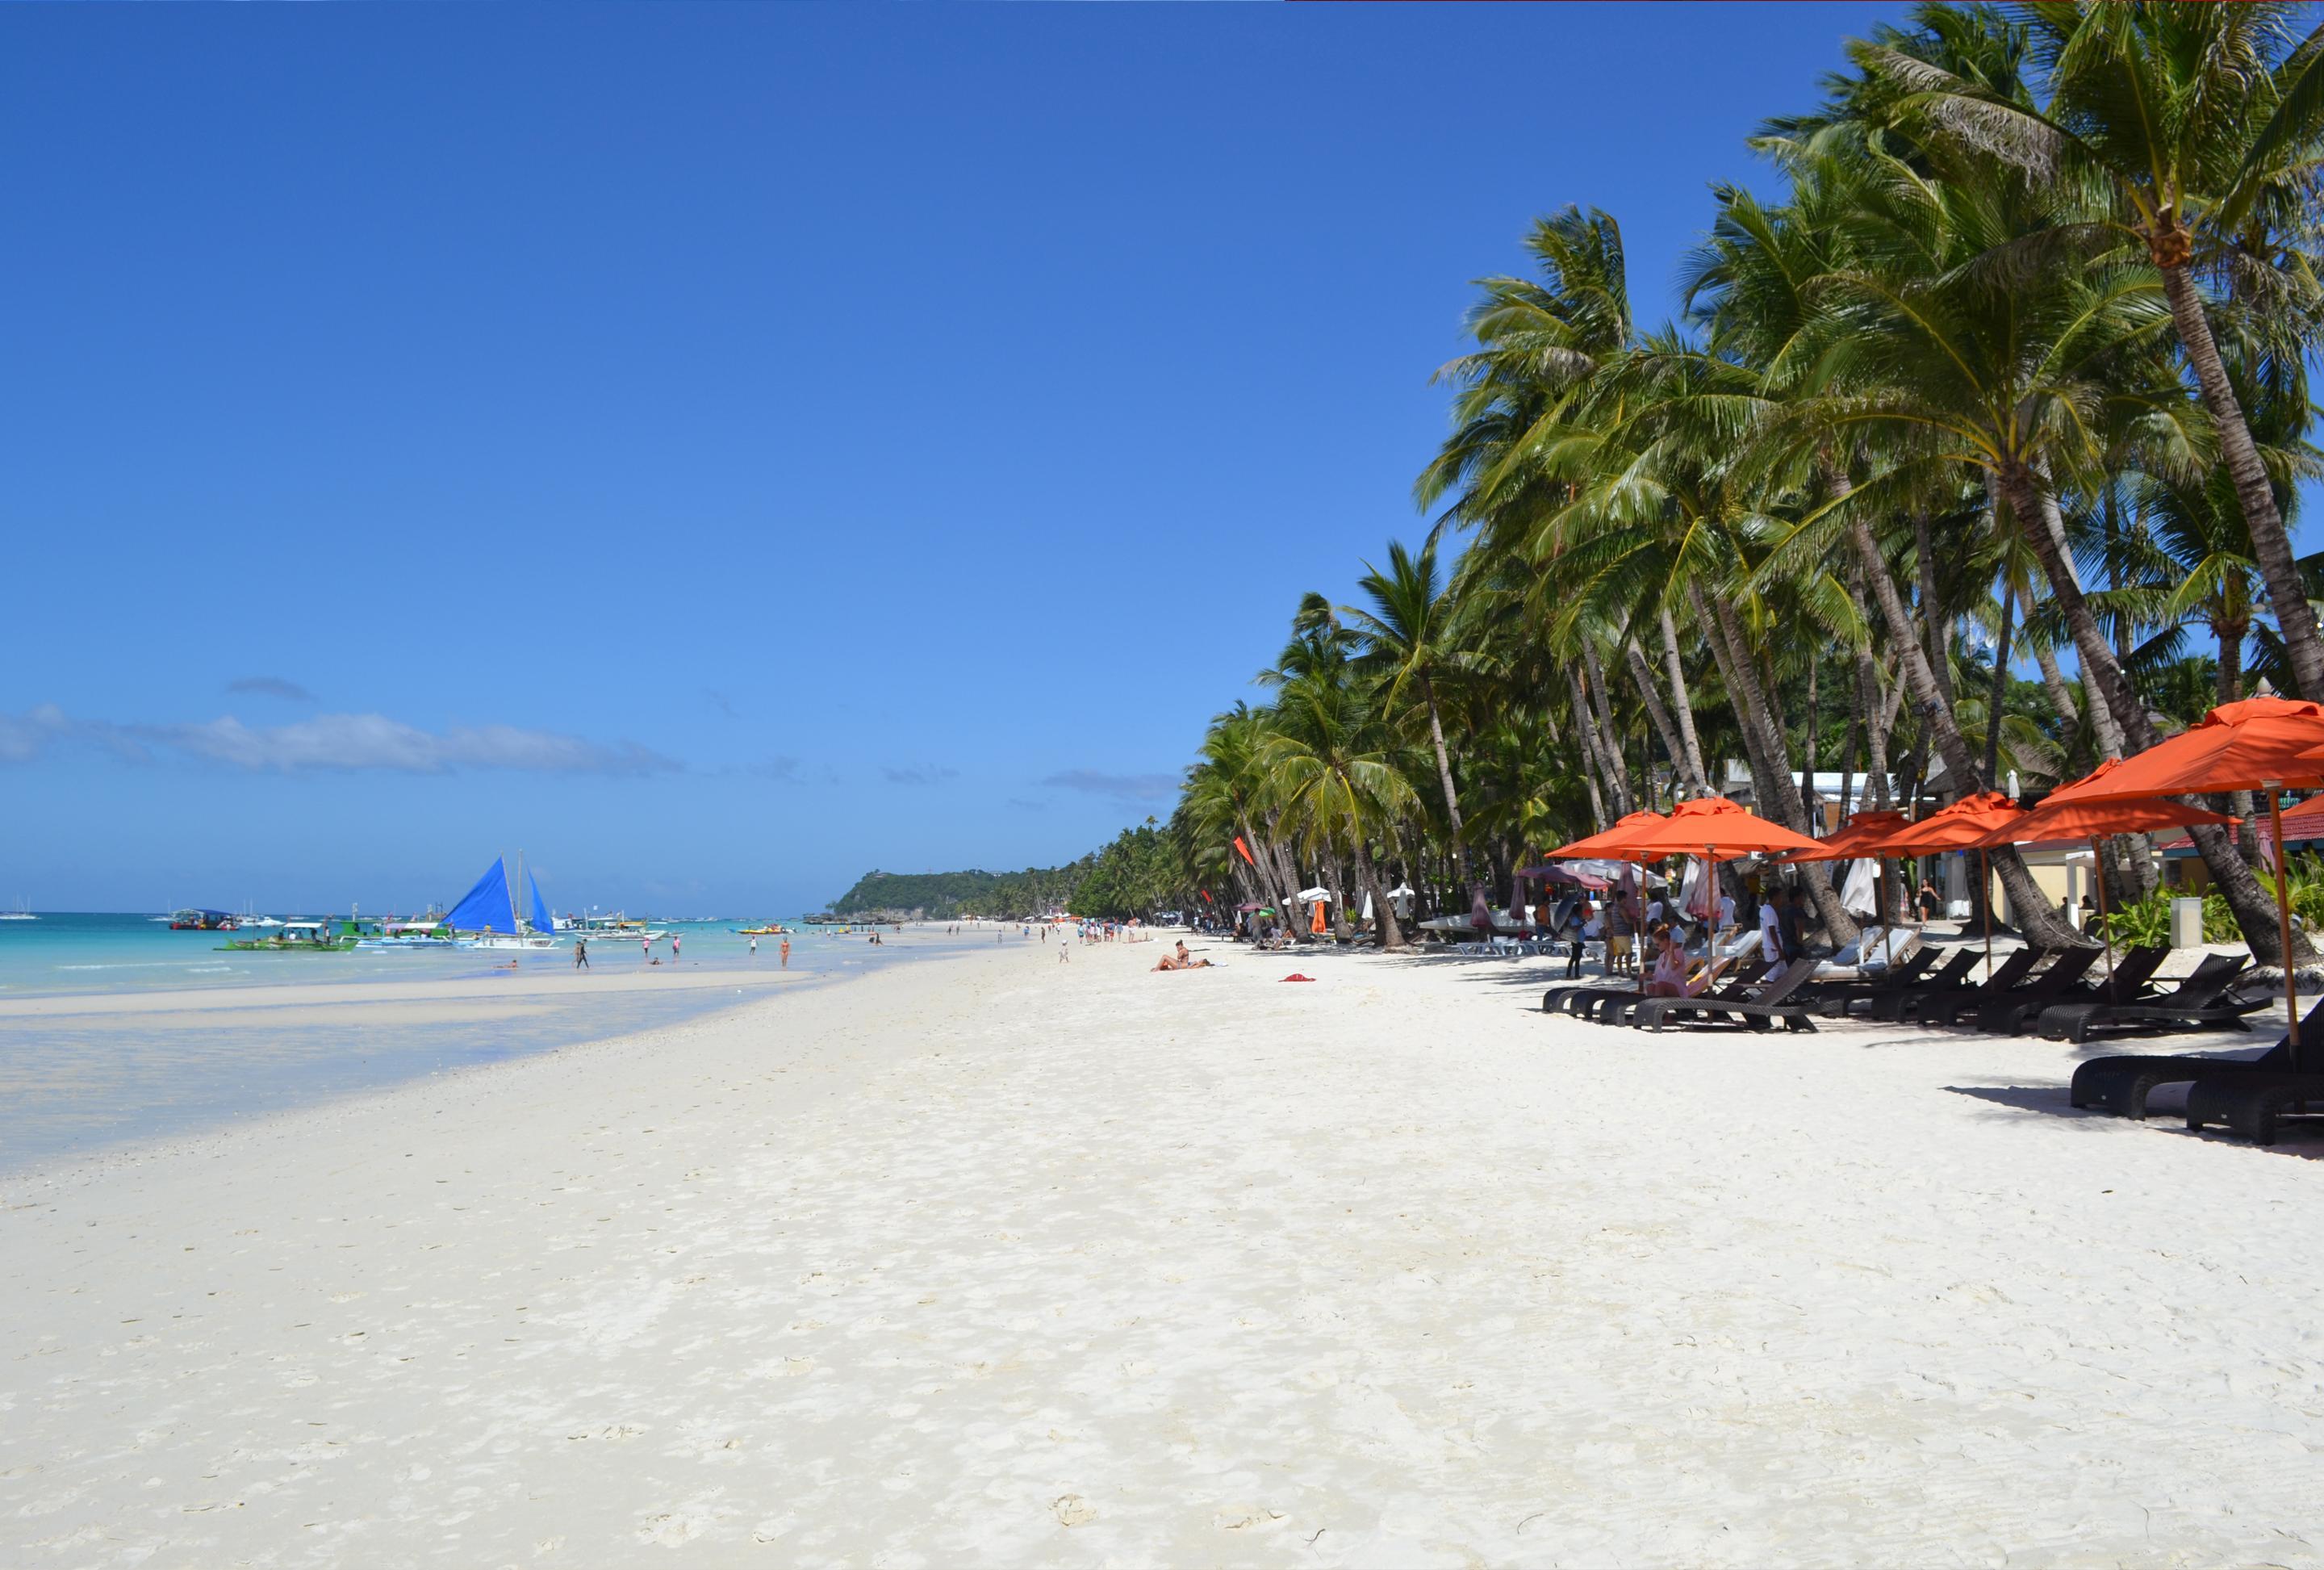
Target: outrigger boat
(297,937)
(409,937)
(487,918)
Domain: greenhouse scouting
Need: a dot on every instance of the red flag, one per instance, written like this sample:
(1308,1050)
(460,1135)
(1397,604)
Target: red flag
(1246,851)
(1206,893)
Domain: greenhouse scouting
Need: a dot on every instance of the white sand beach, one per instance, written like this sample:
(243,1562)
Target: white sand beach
(988,1258)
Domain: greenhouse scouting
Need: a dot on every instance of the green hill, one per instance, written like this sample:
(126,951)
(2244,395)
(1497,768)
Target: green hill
(1141,873)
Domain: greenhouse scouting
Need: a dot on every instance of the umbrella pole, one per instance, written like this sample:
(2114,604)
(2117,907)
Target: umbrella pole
(2283,928)
(2097,874)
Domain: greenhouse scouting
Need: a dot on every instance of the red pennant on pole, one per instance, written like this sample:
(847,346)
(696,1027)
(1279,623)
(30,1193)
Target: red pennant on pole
(1246,851)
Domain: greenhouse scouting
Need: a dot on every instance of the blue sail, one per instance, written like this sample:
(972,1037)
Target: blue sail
(485,907)
(542,921)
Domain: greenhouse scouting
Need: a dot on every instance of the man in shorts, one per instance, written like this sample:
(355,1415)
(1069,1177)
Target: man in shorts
(1619,928)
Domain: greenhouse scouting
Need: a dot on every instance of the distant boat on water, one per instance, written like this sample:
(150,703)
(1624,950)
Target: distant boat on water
(487,918)
(195,918)
(23,912)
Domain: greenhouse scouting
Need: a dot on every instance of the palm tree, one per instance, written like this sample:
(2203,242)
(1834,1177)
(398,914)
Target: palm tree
(1331,767)
(2204,123)
(1412,633)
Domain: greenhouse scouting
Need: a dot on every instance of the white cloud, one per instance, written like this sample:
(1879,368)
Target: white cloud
(333,742)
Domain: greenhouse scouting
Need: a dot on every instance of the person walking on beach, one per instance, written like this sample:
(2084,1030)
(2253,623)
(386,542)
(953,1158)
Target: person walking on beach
(754,948)
(673,948)
(786,954)
(1064,950)
(645,948)
(580,954)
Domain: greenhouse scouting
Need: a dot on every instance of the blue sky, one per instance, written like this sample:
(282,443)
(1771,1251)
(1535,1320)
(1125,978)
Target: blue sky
(723,449)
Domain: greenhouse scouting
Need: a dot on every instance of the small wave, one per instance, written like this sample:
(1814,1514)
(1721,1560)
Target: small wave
(128,965)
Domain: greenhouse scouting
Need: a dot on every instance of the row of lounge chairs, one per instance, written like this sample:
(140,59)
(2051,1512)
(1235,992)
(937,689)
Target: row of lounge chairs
(2033,989)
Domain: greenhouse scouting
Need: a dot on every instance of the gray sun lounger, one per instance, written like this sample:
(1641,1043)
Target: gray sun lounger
(1772,1004)
(2201,1002)
(2120,1084)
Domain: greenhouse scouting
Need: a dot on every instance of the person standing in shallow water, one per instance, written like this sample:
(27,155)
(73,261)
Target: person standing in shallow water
(754,948)
(786,954)
(580,954)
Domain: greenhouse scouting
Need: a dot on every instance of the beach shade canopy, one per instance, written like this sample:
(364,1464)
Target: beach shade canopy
(1863,833)
(1963,826)
(1610,844)
(1252,907)
(2096,819)
(2257,745)
(1316,893)
(1707,826)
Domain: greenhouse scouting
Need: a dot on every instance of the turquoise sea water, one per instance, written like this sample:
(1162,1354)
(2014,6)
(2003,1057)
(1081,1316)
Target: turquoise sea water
(82,952)
(74,1081)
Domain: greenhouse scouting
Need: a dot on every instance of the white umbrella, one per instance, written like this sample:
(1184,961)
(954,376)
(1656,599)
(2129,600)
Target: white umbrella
(1322,894)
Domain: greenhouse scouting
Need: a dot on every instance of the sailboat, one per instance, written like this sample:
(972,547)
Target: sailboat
(23,912)
(487,918)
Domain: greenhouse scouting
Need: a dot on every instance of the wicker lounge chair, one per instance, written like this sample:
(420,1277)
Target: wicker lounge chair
(2016,1016)
(2057,980)
(2121,1085)
(1773,1004)
(2201,1002)
(2252,1101)
(1906,1003)
(1838,999)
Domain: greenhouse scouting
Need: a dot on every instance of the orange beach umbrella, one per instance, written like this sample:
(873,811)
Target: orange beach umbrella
(2093,821)
(1713,825)
(1608,844)
(1860,837)
(2260,743)
(1959,826)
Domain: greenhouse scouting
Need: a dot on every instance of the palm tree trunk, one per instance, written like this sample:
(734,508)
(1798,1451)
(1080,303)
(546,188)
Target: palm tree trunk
(2061,696)
(1391,935)
(1642,677)
(2253,907)
(1591,756)
(1444,777)
(1682,701)
(2000,678)
(2231,688)
(1938,627)
(1809,742)
(1779,798)
(1617,777)
(1847,747)
(2271,546)
(2035,918)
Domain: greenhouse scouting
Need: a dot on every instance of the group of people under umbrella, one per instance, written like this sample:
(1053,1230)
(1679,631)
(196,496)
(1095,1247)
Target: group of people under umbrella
(2263,744)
